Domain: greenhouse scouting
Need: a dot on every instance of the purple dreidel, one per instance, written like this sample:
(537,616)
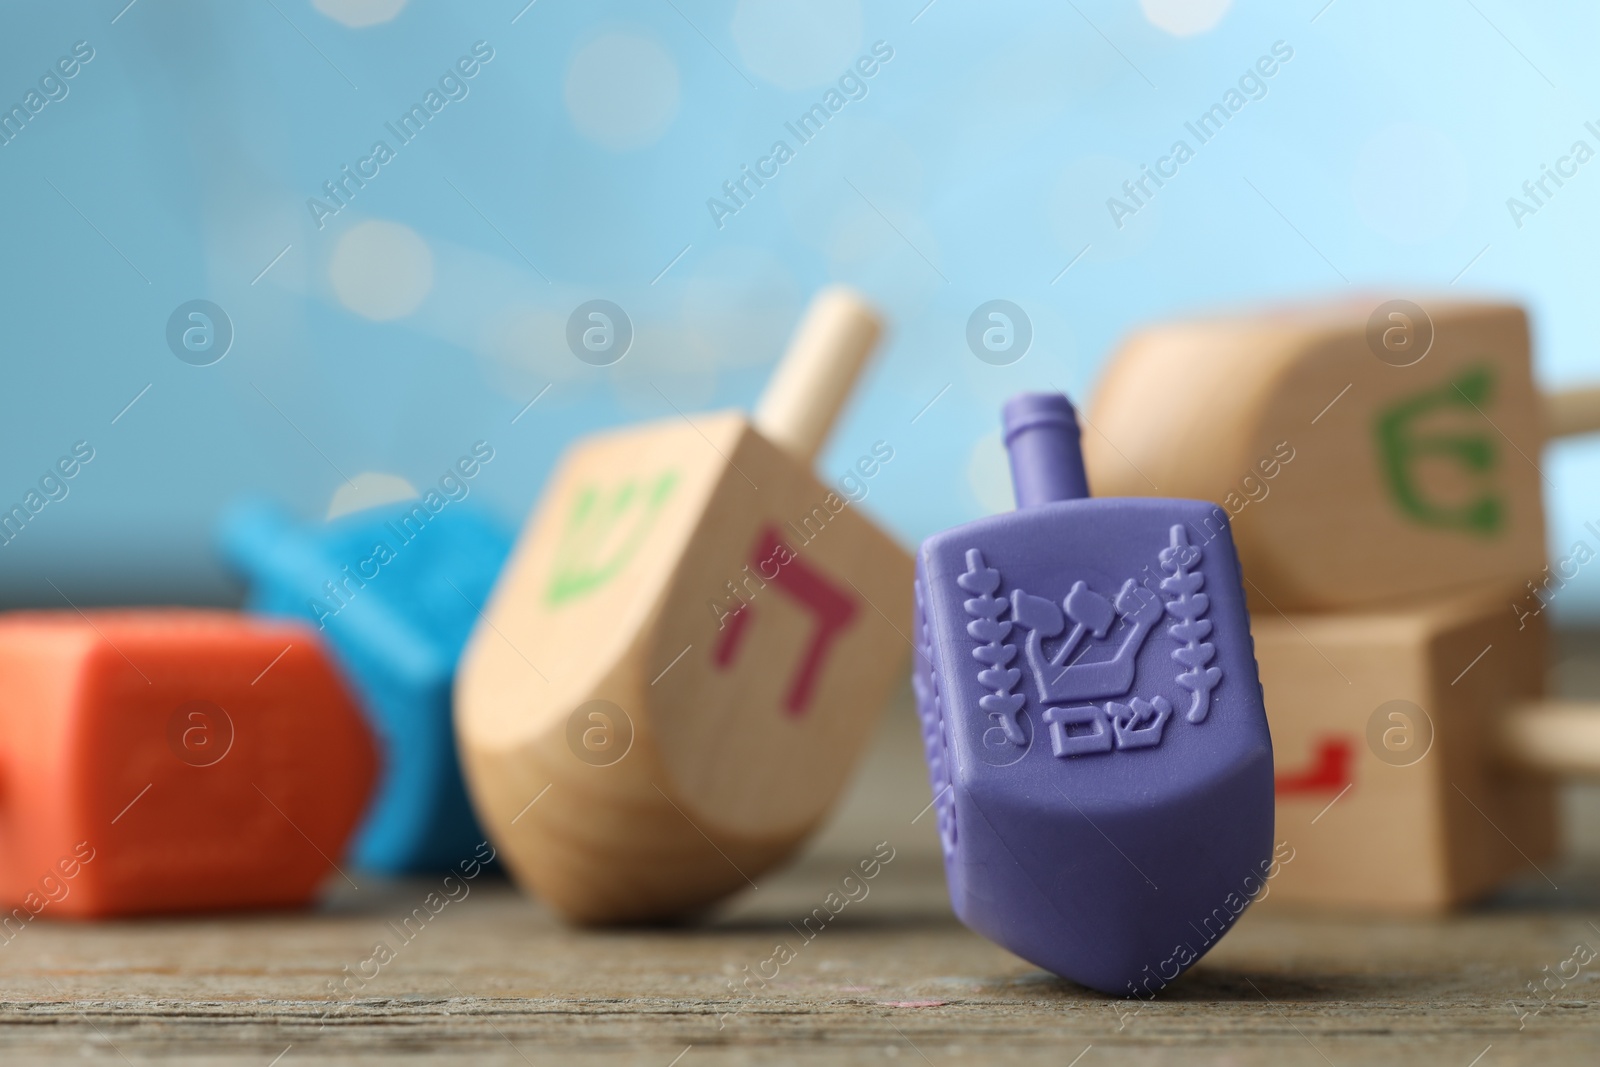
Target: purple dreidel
(1095,733)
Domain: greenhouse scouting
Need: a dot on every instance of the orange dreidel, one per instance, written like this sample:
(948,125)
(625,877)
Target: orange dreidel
(171,760)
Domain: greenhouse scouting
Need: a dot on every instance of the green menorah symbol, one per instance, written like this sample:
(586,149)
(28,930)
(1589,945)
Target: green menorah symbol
(595,545)
(1401,446)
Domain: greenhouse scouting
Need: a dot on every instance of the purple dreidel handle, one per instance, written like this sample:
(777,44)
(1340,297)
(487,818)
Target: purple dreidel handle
(1041,435)
(1095,733)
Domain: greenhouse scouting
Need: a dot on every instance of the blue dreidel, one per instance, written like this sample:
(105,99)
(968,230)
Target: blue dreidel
(395,591)
(1094,726)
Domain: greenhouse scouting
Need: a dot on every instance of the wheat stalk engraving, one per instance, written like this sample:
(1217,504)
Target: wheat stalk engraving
(986,627)
(1188,604)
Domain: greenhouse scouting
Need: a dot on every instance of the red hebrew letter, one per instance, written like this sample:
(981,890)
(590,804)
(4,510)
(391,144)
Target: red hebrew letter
(822,598)
(1329,771)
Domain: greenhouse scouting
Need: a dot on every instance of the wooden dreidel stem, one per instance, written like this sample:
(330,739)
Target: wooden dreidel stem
(687,651)
(811,385)
(1570,412)
(1353,474)
(1560,738)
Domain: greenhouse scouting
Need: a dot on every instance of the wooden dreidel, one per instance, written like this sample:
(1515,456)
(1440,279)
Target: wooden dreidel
(393,590)
(1364,456)
(170,761)
(688,650)
(1096,743)
(1416,758)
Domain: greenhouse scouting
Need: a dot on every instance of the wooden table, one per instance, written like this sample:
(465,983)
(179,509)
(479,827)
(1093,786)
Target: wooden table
(494,979)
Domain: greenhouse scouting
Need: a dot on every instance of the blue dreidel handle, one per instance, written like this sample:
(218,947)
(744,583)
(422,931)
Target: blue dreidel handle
(420,818)
(285,569)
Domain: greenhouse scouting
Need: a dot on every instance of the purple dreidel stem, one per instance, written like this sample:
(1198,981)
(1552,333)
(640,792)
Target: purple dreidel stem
(1041,435)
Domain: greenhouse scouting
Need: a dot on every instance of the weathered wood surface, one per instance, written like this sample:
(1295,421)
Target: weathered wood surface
(495,979)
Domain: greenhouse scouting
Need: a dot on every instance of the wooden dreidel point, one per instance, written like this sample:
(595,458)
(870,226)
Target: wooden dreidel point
(393,591)
(1364,456)
(1096,743)
(1417,760)
(171,761)
(687,651)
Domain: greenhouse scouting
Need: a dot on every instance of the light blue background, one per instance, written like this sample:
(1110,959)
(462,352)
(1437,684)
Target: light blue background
(976,167)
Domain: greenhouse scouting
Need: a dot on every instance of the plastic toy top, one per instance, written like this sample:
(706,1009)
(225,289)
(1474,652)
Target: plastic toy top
(1096,738)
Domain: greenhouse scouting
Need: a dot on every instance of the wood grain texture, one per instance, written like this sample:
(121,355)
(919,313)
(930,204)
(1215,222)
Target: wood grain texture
(498,980)
(1350,481)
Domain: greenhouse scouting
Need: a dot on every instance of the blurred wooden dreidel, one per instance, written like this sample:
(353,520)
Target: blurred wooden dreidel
(688,650)
(1364,456)
(1096,743)
(1416,759)
(393,590)
(171,761)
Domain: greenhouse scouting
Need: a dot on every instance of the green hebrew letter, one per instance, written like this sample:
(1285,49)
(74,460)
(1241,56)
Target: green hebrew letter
(1399,448)
(603,532)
